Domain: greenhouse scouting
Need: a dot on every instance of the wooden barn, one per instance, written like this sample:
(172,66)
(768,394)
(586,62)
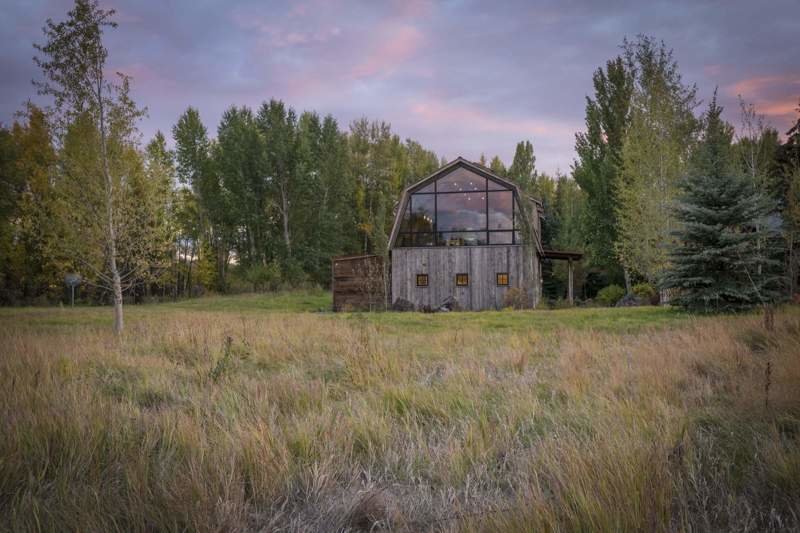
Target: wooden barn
(464,234)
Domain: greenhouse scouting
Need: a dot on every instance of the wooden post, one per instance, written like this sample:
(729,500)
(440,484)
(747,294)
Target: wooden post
(570,296)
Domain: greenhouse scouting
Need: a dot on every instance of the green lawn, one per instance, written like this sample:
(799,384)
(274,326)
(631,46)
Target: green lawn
(318,301)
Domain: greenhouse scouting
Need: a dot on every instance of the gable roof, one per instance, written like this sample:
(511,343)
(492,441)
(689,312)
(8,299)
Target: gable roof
(475,167)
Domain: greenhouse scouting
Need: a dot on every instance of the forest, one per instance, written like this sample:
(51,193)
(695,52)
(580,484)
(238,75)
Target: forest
(264,202)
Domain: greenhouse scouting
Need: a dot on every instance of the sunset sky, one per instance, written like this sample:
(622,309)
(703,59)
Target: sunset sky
(461,77)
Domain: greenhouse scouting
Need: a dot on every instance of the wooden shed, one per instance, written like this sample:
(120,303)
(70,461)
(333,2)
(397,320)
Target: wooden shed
(358,282)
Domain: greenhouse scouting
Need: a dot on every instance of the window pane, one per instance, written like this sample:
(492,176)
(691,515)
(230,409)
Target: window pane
(501,210)
(500,237)
(502,278)
(405,222)
(462,280)
(461,212)
(422,212)
(461,179)
(424,239)
(494,186)
(422,280)
(428,188)
(463,238)
(517,216)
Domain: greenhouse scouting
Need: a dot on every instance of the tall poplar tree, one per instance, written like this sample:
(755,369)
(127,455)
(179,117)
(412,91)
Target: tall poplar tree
(656,146)
(599,164)
(523,168)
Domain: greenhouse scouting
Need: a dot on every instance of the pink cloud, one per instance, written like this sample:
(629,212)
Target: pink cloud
(749,86)
(399,45)
(773,96)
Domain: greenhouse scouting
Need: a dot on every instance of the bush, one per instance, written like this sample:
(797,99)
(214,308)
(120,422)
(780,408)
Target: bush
(264,277)
(610,295)
(646,291)
(293,274)
(516,298)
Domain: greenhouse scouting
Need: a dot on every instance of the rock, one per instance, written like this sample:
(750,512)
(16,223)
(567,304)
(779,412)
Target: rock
(449,304)
(401,304)
(631,300)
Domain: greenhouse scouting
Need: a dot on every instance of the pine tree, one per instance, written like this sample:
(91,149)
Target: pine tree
(725,258)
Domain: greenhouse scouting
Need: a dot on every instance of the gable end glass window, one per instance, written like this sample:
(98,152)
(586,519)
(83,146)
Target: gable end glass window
(460,208)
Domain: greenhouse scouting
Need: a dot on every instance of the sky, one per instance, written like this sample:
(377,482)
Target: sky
(461,77)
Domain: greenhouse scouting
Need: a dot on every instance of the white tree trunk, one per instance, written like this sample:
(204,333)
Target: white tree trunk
(111,233)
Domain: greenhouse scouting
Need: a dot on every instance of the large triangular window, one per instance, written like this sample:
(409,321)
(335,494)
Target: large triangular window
(461,208)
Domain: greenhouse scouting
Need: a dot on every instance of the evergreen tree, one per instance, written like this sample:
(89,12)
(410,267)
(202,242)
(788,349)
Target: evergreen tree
(727,242)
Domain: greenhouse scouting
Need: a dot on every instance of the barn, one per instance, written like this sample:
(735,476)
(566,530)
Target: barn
(462,234)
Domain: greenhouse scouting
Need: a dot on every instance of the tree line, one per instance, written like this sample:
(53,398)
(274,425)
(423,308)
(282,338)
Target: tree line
(267,201)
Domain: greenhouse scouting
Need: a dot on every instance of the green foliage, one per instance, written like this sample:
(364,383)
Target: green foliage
(655,148)
(645,291)
(497,166)
(523,168)
(264,277)
(599,163)
(726,258)
(610,295)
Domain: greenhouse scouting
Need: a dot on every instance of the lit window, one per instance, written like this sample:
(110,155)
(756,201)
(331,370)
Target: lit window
(422,280)
(462,280)
(502,279)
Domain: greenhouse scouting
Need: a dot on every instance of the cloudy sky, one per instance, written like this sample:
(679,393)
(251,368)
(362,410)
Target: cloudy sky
(462,77)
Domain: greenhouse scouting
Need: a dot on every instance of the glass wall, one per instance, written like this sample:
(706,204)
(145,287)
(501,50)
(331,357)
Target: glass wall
(462,208)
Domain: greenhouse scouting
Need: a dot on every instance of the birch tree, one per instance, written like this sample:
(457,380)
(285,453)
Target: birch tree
(655,151)
(99,116)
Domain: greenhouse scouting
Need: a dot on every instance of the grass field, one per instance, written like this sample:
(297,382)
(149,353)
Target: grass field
(266,412)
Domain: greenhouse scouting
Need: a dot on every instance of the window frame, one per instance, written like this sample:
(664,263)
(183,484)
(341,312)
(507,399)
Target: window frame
(408,238)
(462,279)
(422,276)
(498,277)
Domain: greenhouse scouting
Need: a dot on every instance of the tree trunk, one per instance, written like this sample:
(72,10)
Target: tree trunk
(627,275)
(111,233)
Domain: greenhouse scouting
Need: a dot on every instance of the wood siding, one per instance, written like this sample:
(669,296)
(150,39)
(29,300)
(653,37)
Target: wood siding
(482,263)
(357,283)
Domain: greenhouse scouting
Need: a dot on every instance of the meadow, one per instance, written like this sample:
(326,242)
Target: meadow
(264,412)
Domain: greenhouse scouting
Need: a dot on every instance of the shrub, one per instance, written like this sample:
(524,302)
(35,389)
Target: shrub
(516,298)
(646,292)
(293,274)
(264,277)
(610,295)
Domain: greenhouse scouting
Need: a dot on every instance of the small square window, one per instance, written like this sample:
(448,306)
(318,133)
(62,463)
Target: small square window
(462,280)
(422,280)
(502,279)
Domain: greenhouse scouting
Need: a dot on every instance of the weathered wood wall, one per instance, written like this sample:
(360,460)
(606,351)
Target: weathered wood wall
(357,283)
(482,263)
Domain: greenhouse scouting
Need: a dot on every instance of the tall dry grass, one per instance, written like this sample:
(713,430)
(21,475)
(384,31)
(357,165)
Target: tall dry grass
(212,422)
